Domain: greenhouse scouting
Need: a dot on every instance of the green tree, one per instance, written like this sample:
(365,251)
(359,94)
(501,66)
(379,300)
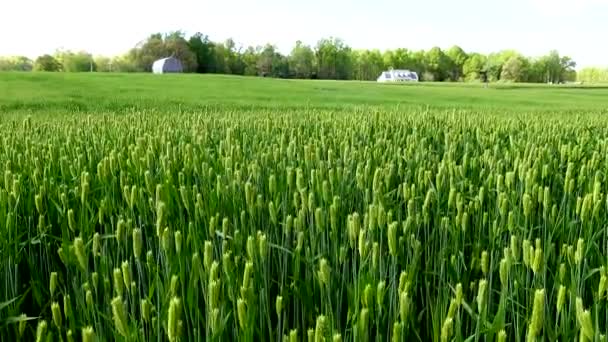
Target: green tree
(266,60)
(16,63)
(515,69)
(400,59)
(301,60)
(103,63)
(554,68)
(250,60)
(473,67)
(568,71)
(124,63)
(81,61)
(367,64)
(333,59)
(593,75)
(202,48)
(458,57)
(146,52)
(438,64)
(234,62)
(493,66)
(6,64)
(220,56)
(46,63)
(272,63)
(418,62)
(176,45)
(158,46)
(280,66)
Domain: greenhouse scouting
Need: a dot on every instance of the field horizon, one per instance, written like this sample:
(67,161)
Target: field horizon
(120,93)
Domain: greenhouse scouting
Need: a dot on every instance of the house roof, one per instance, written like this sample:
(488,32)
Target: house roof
(164,59)
(401,73)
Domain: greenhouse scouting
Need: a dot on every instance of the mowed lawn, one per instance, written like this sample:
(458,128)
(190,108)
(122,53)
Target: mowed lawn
(118,93)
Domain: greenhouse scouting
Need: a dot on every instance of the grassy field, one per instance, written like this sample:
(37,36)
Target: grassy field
(211,208)
(58,92)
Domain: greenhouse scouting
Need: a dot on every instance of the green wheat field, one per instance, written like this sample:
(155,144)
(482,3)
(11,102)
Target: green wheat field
(216,208)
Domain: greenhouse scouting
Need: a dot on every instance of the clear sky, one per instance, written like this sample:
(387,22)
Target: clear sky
(577,28)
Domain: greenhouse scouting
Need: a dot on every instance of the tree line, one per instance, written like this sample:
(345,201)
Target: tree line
(330,58)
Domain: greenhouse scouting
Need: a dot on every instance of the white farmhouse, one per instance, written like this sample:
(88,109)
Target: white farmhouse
(167,65)
(398,76)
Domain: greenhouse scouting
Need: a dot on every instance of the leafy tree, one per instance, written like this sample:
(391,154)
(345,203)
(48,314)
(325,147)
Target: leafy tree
(458,57)
(234,61)
(266,60)
(515,69)
(103,64)
(280,66)
(160,46)
(301,60)
(334,60)
(46,63)
(438,64)
(6,64)
(568,72)
(272,63)
(202,48)
(220,56)
(331,58)
(419,62)
(473,66)
(493,66)
(124,63)
(16,63)
(367,64)
(400,59)
(537,71)
(593,75)
(76,61)
(177,46)
(554,68)
(404,59)
(145,53)
(250,60)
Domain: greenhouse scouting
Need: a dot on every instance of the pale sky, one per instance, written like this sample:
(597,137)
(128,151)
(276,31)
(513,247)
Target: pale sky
(577,28)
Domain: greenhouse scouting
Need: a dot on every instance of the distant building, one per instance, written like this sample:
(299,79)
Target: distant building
(398,76)
(167,65)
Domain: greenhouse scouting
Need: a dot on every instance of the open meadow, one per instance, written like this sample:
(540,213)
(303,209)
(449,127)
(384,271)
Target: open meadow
(216,208)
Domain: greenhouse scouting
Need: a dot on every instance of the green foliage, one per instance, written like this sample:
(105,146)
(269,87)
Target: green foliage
(367,65)
(331,58)
(474,66)
(437,64)
(16,63)
(202,48)
(458,58)
(514,69)
(334,59)
(272,63)
(158,46)
(47,63)
(76,61)
(301,60)
(103,64)
(554,68)
(593,75)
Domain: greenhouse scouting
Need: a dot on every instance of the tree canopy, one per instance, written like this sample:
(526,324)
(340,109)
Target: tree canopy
(330,58)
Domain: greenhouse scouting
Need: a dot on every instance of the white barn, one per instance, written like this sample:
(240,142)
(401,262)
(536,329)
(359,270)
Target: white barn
(167,65)
(398,76)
